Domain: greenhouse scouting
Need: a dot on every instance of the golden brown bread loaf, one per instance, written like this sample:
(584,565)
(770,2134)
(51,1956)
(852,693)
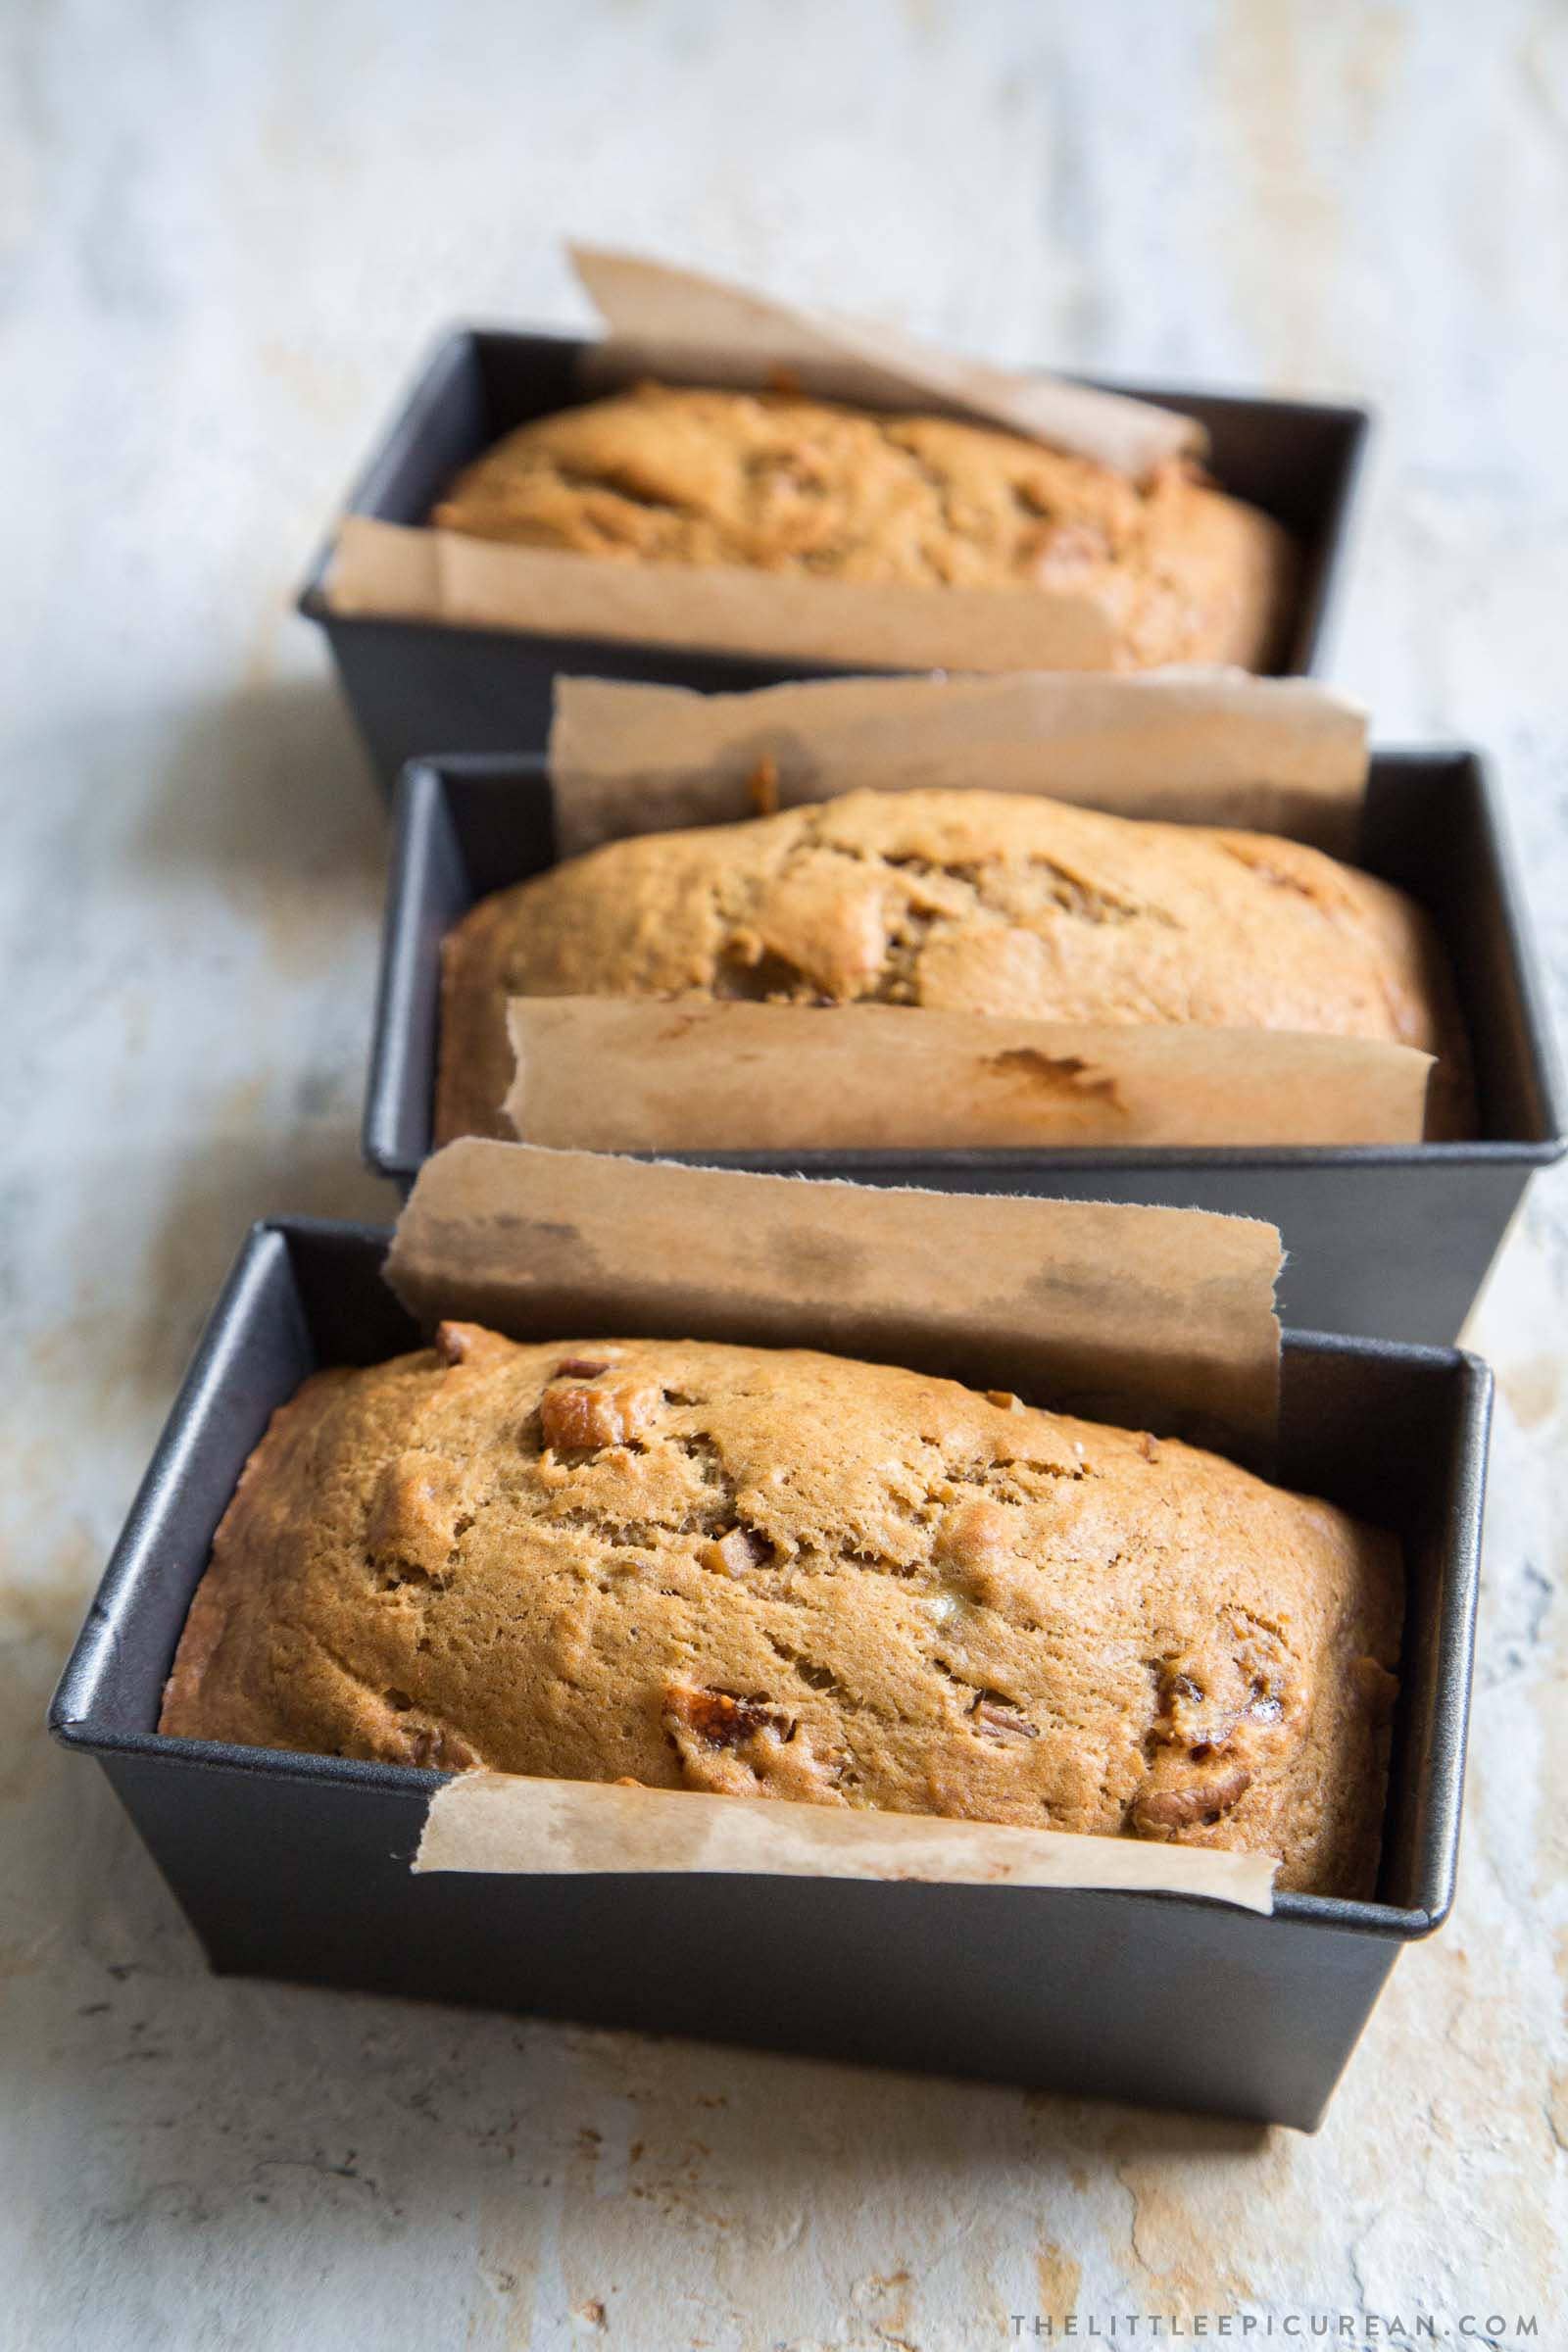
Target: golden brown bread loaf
(971,901)
(775,1573)
(779,483)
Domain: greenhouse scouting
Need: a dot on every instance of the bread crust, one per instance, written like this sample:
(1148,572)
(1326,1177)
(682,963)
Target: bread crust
(776,1573)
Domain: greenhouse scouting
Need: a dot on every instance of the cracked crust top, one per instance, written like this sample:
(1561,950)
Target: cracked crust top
(971,901)
(781,483)
(768,1572)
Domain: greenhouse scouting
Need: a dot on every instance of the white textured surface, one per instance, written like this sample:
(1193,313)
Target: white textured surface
(224,232)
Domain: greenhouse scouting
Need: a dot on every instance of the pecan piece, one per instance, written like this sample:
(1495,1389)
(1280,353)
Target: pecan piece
(469,1344)
(731,1746)
(434,1746)
(737,1552)
(414,1519)
(1002,1723)
(718,1718)
(1166,1811)
(581,1420)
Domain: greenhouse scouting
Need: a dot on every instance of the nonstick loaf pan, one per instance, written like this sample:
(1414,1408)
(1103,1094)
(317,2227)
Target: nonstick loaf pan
(418,686)
(297,1866)
(1391,1241)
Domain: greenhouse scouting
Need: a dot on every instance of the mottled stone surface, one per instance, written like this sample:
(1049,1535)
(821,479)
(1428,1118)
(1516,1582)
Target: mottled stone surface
(223,231)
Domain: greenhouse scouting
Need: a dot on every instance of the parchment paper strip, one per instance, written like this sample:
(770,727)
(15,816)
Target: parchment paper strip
(486,1821)
(1214,746)
(403,573)
(635,1074)
(1159,1317)
(656,315)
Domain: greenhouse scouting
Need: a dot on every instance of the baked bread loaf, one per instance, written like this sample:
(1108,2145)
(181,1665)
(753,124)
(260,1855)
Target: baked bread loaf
(784,484)
(971,901)
(773,1573)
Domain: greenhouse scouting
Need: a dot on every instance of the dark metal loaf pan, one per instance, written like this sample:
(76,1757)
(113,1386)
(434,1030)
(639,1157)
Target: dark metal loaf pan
(417,686)
(1391,1240)
(298,1866)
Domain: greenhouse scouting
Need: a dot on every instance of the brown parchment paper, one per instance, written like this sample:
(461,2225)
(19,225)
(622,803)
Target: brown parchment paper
(493,1821)
(1167,1314)
(688,327)
(640,1075)
(1191,746)
(664,321)
(407,573)
(1162,1317)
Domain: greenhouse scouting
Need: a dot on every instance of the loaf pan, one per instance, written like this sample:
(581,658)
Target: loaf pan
(1391,1240)
(418,686)
(298,1866)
